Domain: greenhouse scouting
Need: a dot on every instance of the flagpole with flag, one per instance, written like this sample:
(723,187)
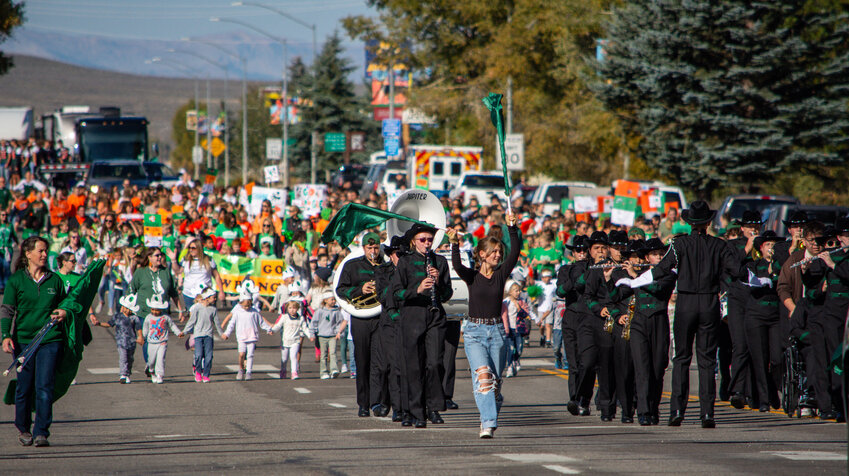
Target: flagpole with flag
(354,218)
(496,115)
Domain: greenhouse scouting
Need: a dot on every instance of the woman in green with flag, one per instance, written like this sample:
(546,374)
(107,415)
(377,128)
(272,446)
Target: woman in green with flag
(31,300)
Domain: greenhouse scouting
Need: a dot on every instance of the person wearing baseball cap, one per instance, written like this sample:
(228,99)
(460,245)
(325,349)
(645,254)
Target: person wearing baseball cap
(701,261)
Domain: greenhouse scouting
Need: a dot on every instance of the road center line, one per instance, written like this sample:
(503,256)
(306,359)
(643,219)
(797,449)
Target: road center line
(536,458)
(302,390)
(561,469)
(337,405)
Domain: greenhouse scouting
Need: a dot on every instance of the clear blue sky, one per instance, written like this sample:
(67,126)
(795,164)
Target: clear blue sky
(173,19)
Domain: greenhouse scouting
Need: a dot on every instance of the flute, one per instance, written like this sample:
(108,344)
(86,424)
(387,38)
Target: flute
(617,265)
(814,258)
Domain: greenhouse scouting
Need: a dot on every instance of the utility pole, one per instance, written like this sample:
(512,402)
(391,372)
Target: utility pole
(313,155)
(197,129)
(391,89)
(208,127)
(284,115)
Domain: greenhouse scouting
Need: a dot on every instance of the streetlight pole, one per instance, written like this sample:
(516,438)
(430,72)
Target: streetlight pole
(285,112)
(290,17)
(183,68)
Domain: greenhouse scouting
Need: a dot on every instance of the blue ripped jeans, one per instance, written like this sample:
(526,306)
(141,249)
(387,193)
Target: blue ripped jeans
(486,351)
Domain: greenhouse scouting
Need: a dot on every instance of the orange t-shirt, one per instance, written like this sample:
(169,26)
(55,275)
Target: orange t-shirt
(59,211)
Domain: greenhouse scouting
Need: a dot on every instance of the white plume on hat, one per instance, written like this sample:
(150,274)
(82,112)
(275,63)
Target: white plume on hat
(509,284)
(289,272)
(156,302)
(130,302)
(296,287)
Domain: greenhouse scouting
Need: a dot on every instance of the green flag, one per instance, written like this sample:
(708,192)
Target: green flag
(77,331)
(493,103)
(354,218)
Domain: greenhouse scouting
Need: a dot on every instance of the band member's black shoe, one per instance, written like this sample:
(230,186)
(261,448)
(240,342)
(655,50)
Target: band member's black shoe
(627,419)
(421,424)
(396,416)
(407,420)
(572,406)
(435,418)
(644,420)
(380,410)
(675,418)
(450,405)
(763,408)
(738,401)
(606,417)
(828,415)
(708,421)
(584,411)
(363,412)
(655,419)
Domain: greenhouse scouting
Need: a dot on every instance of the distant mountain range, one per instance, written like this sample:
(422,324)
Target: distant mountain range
(264,58)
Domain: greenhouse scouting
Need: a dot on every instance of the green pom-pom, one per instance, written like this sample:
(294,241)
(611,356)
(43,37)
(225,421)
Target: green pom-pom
(534,291)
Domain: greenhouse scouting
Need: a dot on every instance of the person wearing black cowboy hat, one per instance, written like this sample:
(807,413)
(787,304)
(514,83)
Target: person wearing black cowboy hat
(826,322)
(589,325)
(570,286)
(387,364)
(742,384)
(618,305)
(607,302)
(763,333)
(650,335)
(419,290)
(700,260)
(358,279)
(795,224)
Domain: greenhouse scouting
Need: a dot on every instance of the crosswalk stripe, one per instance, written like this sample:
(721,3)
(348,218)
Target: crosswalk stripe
(302,390)
(337,405)
(103,370)
(808,455)
(536,458)
(561,469)
(257,368)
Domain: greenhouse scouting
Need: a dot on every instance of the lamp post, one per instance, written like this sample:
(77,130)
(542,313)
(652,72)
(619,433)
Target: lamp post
(243,62)
(190,73)
(226,116)
(286,15)
(284,113)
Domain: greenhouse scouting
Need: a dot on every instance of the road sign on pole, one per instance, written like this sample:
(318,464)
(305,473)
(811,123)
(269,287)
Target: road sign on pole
(391,128)
(514,145)
(273,148)
(334,142)
(197,154)
(391,145)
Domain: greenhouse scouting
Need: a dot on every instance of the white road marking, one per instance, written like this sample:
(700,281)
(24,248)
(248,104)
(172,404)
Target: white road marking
(169,436)
(277,375)
(537,458)
(808,455)
(537,363)
(561,469)
(337,405)
(193,436)
(302,390)
(257,368)
(104,370)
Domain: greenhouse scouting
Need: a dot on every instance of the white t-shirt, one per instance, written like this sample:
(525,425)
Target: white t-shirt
(194,274)
(82,258)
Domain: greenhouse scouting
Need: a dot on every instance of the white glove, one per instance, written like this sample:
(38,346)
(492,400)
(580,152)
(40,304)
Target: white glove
(638,282)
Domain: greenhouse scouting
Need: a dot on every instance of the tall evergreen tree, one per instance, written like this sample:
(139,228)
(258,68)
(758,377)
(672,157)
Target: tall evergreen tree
(331,106)
(730,91)
(11,17)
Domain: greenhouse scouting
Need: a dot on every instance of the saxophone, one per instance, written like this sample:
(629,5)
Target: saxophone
(632,305)
(608,324)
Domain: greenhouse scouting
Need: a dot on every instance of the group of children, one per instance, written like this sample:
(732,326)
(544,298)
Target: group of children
(327,324)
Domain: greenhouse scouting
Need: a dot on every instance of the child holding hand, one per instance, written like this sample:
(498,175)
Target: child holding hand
(128,332)
(246,321)
(155,330)
(292,326)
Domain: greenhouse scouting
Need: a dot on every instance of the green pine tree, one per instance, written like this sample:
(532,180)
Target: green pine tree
(729,92)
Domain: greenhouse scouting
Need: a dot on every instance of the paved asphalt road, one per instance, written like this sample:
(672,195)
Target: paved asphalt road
(309,426)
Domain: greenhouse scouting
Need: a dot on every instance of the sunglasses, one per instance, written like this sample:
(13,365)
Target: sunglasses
(156,256)
(424,240)
(266,226)
(192,247)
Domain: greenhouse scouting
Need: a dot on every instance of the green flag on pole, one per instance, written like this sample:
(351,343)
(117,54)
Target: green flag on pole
(493,103)
(354,218)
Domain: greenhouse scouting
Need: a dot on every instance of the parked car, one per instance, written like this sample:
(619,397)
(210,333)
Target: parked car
(353,173)
(160,174)
(372,180)
(550,195)
(734,205)
(774,215)
(481,185)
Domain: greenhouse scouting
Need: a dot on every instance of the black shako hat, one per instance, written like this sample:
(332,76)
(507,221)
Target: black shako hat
(618,238)
(751,217)
(579,243)
(699,213)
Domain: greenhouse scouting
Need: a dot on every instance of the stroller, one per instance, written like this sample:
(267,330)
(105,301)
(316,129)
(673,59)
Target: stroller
(794,381)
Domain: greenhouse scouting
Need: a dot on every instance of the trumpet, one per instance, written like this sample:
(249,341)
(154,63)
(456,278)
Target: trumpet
(617,265)
(814,258)
(632,306)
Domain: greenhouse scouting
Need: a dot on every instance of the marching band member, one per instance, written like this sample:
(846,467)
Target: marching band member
(650,335)
(700,260)
(389,365)
(596,344)
(741,382)
(358,279)
(420,285)
(570,287)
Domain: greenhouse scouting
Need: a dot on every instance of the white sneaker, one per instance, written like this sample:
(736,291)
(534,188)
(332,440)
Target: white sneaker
(153,378)
(325,376)
(240,375)
(99,307)
(509,372)
(334,374)
(518,366)
(806,412)
(248,376)
(344,368)
(127,379)
(486,433)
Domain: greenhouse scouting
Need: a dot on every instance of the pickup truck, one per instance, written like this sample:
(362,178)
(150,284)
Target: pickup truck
(481,185)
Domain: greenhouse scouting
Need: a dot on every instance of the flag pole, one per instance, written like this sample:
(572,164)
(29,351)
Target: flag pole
(496,114)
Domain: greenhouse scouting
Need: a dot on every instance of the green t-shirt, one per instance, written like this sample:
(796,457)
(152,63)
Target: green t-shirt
(5,198)
(147,282)
(7,238)
(229,234)
(681,228)
(69,279)
(553,254)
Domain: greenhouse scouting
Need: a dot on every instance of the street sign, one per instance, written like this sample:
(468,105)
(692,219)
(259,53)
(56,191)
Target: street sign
(273,148)
(391,128)
(334,142)
(272,174)
(358,141)
(391,146)
(217,148)
(197,154)
(514,145)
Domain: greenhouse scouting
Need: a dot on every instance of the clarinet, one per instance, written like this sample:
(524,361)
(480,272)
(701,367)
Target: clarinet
(434,302)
